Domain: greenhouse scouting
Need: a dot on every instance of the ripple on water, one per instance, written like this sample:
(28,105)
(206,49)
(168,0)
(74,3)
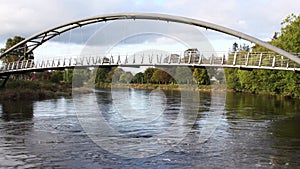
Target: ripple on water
(248,135)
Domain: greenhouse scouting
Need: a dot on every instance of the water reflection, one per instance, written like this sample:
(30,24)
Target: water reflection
(259,107)
(15,124)
(137,123)
(17,110)
(268,125)
(255,131)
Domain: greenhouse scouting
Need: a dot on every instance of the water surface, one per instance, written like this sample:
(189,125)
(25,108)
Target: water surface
(253,131)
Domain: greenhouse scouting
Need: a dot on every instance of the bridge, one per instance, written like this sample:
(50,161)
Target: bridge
(278,59)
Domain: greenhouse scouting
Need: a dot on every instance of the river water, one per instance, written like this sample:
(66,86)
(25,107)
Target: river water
(158,130)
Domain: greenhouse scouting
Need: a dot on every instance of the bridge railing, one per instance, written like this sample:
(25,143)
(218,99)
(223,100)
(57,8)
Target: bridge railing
(213,59)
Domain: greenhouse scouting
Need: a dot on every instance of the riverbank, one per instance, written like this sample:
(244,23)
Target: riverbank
(204,88)
(41,90)
(34,90)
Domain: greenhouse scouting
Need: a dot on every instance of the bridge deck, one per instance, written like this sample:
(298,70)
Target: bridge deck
(241,60)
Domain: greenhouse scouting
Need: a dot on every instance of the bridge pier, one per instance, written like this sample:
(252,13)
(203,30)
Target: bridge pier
(5,79)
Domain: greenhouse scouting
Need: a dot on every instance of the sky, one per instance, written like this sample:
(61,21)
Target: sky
(258,18)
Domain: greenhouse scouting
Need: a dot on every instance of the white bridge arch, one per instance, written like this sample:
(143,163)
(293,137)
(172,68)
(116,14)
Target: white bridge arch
(31,43)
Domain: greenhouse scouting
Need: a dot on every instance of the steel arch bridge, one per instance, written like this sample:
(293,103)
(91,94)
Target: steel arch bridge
(280,59)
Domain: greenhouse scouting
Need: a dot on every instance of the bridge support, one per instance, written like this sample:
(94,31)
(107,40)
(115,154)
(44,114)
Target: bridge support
(5,79)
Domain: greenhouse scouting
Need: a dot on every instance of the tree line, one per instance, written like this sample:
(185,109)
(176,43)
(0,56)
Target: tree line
(285,83)
(174,75)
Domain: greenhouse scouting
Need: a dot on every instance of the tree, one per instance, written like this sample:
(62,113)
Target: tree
(101,74)
(57,76)
(235,47)
(18,53)
(148,74)
(138,78)
(115,74)
(289,38)
(241,48)
(161,76)
(68,75)
(272,81)
(201,76)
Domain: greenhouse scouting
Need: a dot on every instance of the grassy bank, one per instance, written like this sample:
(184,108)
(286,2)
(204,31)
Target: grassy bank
(163,86)
(34,90)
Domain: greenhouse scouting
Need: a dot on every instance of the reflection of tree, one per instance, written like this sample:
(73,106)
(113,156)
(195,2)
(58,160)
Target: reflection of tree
(20,113)
(17,110)
(264,124)
(264,105)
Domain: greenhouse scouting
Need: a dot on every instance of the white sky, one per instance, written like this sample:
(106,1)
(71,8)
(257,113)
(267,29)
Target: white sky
(258,18)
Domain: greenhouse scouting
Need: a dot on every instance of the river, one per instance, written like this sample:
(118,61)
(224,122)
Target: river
(158,130)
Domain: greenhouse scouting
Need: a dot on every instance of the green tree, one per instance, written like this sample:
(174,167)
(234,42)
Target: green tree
(161,76)
(289,38)
(68,75)
(271,81)
(138,78)
(102,74)
(57,76)
(16,54)
(115,74)
(148,74)
(232,79)
(201,76)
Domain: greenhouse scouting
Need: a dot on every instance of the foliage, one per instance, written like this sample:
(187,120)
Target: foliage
(101,74)
(138,78)
(148,74)
(115,75)
(160,76)
(270,81)
(289,38)
(68,75)
(16,54)
(201,76)
(57,76)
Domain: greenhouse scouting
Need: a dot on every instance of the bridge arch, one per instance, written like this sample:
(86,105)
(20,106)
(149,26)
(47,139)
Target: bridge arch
(38,39)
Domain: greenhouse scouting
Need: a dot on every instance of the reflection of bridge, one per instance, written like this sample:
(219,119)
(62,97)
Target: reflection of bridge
(278,60)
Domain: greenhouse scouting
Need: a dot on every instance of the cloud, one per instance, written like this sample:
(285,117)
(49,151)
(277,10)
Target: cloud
(256,17)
